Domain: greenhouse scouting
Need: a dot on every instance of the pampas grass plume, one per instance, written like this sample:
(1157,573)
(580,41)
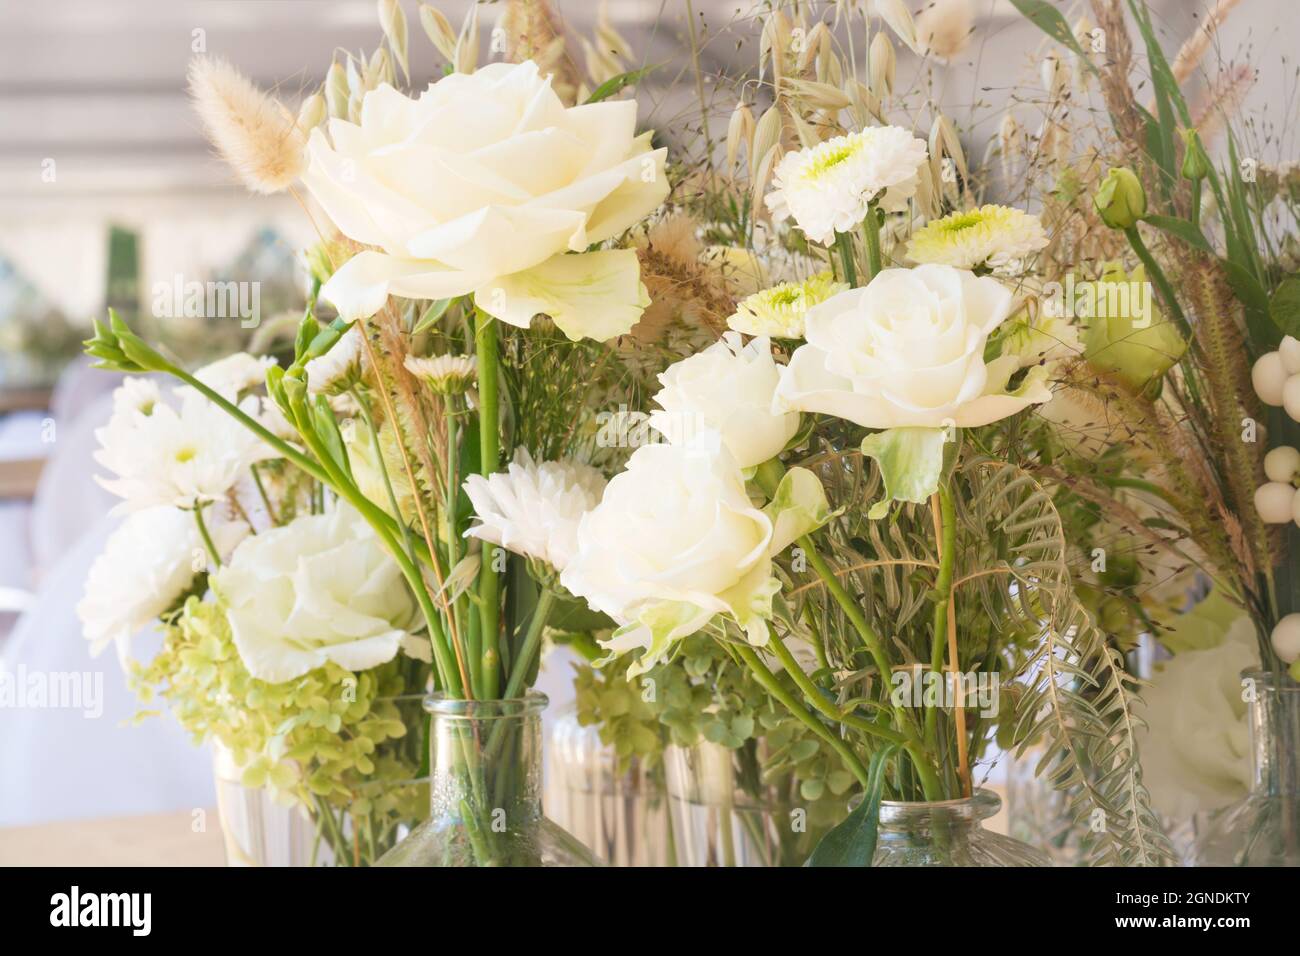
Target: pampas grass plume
(252,131)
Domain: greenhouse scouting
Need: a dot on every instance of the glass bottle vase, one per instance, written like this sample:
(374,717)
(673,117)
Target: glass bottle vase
(948,833)
(354,830)
(1263,828)
(724,813)
(617,809)
(485,791)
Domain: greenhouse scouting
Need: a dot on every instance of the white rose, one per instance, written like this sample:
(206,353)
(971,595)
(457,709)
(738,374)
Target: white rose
(1195,746)
(321,588)
(726,388)
(147,564)
(907,350)
(478,186)
(676,541)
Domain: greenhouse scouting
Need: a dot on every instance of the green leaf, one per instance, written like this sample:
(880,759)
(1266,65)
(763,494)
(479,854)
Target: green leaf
(616,83)
(1050,20)
(1284,307)
(798,507)
(853,842)
(1179,229)
(911,464)
(1264,333)
(431,315)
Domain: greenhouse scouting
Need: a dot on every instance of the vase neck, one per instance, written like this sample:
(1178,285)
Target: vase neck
(956,816)
(1273,714)
(486,755)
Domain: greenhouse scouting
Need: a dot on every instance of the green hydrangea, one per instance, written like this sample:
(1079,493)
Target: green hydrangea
(702,694)
(347,747)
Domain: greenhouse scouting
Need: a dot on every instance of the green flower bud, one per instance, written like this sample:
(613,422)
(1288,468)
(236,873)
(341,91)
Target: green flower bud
(1120,200)
(1126,335)
(1196,164)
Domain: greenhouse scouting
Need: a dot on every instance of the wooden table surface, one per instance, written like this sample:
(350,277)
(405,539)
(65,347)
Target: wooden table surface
(169,839)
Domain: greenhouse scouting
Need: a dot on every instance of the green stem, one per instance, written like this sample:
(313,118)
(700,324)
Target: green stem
(1196,203)
(1157,276)
(769,683)
(207,538)
(942,601)
(813,694)
(447,671)
(532,640)
(844,242)
(383,470)
(472,650)
(376,516)
(261,490)
(850,609)
(871,230)
(486,347)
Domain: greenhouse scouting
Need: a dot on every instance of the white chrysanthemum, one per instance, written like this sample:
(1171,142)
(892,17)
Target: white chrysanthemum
(991,236)
(147,564)
(534,510)
(135,396)
(828,188)
(339,369)
(175,457)
(445,374)
(779,312)
(235,373)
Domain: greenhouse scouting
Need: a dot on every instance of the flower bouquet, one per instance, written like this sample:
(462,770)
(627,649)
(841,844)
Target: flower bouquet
(767,430)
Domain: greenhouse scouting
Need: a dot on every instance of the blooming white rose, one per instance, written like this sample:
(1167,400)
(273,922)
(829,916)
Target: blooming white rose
(908,350)
(147,564)
(726,388)
(1196,745)
(675,541)
(829,187)
(321,588)
(478,186)
(533,509)
(167,456)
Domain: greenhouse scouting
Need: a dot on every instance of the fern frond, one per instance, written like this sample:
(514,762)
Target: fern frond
(1080,699)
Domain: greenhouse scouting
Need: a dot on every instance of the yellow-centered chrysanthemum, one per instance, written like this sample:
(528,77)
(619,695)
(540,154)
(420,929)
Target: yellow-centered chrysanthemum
(989,237)
(779,312)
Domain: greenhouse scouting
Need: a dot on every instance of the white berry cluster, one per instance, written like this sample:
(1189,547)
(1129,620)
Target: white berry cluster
(1276,377)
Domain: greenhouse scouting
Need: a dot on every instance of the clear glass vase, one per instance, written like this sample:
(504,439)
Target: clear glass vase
(260,830)
(1039,814)
(948,833)
(485,794)
(256,830)
(1262,829)
(620,814)
(723,813)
